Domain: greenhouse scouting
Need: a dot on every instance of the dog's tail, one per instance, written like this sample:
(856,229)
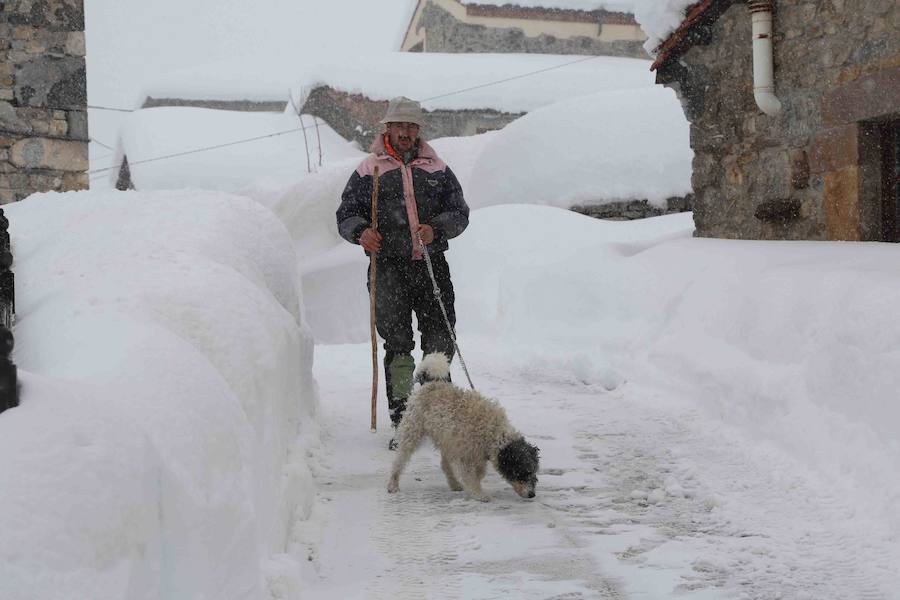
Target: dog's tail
(434,367)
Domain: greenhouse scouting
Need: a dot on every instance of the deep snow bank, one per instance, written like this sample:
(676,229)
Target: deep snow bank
(165,374)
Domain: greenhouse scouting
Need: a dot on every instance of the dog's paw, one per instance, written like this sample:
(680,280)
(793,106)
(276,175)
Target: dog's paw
(456,488)
(483,498)
(393,487)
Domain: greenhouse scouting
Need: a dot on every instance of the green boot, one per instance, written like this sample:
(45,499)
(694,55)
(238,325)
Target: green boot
(400,381)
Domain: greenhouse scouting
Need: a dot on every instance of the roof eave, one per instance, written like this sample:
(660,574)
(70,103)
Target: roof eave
(697,17)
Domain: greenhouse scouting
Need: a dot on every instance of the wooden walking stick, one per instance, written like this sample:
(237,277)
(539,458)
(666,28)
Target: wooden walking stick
(372,274)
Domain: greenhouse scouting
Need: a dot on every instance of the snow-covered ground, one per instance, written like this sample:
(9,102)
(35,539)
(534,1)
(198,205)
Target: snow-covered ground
(715,417)
(640,497)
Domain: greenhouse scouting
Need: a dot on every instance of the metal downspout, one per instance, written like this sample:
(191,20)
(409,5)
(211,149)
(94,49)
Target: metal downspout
(763,62)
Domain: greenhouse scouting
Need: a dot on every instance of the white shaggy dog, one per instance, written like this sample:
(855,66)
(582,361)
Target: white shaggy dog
(468,429)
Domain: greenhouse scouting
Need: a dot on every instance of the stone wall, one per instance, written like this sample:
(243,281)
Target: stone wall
(629,210)
(43,97)
(812,171)
(356,117)
(447,34)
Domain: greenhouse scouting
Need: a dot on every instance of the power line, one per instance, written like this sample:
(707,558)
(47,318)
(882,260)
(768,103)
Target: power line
(107,146)
(126,110)
(196,150)
(499,81)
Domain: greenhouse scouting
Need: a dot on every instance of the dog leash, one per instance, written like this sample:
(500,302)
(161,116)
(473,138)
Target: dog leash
(437,295)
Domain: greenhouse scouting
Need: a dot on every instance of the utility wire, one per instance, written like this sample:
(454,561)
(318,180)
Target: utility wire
(127,110)
(204,149)
(107,146)
(236,142)
(499,81)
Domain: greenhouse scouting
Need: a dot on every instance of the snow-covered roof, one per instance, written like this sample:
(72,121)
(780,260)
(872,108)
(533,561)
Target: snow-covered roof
(227,80)
(504,82)
(605,147)
(610,5)
(423,76)
(659,18)
(703,12)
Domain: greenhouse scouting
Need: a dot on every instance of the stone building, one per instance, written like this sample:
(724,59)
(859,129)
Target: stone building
(825,163)
(461,26)
(43,97)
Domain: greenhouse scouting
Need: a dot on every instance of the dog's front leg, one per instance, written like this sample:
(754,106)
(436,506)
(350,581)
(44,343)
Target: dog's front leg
(452,481)
(396,470)
(471,479)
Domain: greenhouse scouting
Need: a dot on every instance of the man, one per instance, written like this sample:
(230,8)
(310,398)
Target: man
(418,196)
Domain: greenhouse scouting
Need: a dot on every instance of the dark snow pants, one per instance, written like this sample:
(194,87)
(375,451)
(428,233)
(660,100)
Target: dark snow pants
(403,287)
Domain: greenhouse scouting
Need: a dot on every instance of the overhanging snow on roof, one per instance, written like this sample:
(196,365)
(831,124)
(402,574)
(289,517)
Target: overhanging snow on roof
(692,30)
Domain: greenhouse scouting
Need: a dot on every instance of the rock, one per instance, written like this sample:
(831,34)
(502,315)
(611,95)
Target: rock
(44,153)
(10,121)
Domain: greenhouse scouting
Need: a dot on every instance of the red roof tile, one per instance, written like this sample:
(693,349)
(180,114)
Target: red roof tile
(703,12)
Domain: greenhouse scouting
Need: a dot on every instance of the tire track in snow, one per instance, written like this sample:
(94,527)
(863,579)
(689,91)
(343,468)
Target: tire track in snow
(412,529)
(640,474)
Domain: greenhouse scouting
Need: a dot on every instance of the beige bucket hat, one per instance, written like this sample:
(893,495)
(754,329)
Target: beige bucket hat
(403,110)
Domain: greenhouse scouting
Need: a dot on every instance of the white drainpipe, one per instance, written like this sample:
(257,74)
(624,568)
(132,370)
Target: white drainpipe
(763,64)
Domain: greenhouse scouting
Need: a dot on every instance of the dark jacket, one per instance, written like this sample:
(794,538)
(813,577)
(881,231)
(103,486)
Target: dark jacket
(439,200)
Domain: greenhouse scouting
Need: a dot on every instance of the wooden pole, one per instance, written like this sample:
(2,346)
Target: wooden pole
(372,275)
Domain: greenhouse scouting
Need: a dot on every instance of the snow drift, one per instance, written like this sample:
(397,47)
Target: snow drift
(165,377)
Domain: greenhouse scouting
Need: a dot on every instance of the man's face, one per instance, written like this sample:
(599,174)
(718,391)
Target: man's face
(403,136)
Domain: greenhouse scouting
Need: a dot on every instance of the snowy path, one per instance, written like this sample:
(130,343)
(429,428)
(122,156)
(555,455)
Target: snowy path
(634,501)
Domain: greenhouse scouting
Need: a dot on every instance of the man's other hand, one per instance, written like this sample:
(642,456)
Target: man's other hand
(426,233)
(370,240)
